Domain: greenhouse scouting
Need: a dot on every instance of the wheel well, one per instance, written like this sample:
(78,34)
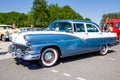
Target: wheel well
(1,35)
(104,45)
(108,45)
(55,47)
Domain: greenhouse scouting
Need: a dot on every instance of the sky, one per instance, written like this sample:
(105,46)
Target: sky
(93,9)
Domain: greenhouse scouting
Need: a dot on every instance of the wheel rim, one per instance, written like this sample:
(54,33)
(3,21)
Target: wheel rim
(49,57)
(104,50)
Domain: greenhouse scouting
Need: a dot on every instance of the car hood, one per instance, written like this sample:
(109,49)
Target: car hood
(20,37)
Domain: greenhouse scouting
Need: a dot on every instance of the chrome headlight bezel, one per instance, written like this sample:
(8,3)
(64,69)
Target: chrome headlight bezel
(27,41)
(28,50)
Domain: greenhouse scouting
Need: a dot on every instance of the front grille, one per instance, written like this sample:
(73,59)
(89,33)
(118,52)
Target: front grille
(21,47)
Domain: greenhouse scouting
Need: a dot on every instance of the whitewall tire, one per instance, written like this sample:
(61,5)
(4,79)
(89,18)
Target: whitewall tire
(49,57)
(104,50)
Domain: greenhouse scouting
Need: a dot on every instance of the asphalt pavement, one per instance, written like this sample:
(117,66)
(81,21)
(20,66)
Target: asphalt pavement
(89,66)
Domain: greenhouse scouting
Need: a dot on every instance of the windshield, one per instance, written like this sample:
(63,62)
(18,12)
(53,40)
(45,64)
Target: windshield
(118,24)
(60,26)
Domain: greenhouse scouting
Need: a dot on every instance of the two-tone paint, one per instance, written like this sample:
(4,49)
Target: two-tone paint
(68,42)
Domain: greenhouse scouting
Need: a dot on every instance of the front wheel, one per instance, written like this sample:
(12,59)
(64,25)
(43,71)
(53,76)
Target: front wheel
(49,57)
(103,50)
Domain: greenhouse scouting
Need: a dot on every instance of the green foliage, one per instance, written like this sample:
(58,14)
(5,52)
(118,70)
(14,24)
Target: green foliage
(88,19)
(44,14)
(20,19)
(109,16)
(41,14)
(58,13)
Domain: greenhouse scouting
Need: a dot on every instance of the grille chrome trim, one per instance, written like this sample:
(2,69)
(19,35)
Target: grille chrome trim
(21,47)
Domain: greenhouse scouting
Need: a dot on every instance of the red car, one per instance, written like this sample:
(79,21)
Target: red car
(115,23)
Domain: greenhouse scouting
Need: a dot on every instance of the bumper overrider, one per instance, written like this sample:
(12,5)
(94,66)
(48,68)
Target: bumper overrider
(25,55)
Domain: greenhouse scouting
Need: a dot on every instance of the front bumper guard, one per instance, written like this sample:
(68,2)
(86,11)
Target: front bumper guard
(27,57)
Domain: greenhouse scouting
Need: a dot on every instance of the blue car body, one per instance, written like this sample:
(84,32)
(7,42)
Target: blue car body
(72,38)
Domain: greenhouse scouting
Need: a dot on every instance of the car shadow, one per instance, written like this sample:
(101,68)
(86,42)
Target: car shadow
(83,56)
(3,53)
(33,65)
(111,51)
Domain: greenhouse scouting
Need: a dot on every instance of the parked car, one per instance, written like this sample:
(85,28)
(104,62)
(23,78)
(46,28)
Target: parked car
(6,31)
(64,38)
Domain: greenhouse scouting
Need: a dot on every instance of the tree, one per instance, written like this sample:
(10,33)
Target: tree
(66,12)
(43,14)
(88,19)
(53,10)
(39,12)
(20,19)
(109,16)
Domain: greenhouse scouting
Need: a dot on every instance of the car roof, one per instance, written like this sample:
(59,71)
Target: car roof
(72,21)
(75,21)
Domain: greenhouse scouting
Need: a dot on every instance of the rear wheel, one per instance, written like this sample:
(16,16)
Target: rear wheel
(49,57)
(103,50)
(119,39)
(3,38)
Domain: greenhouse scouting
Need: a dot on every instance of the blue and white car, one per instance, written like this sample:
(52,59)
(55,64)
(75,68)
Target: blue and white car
(64,38)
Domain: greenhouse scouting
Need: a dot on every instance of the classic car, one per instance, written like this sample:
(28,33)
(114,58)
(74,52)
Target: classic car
(6,31)
(62,39)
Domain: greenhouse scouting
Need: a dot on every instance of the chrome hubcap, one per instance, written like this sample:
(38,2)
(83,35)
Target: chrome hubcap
(48,57)
(103,49)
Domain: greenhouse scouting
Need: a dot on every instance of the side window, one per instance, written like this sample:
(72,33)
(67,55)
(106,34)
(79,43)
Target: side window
(61,26)
(79,27)
(91,28)
(53,26)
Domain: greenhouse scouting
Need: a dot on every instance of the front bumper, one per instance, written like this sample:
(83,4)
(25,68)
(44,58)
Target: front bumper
(29,55)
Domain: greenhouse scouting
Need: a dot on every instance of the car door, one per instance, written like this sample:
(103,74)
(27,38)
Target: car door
(80,32)
(94,36)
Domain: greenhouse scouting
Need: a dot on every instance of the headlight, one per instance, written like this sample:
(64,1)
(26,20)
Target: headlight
(27,41)
(29,49)
(10,37)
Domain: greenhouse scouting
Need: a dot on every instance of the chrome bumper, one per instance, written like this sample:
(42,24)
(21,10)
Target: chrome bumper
(30,55)
(27,57)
